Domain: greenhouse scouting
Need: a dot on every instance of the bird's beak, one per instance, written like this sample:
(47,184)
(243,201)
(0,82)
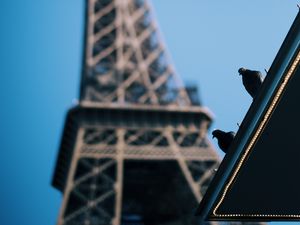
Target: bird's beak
(213,136)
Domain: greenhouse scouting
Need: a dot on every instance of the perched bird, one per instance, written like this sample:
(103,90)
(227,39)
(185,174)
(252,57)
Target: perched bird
(252,80)
(224,139)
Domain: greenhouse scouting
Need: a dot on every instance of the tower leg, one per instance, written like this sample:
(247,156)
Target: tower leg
(70,179)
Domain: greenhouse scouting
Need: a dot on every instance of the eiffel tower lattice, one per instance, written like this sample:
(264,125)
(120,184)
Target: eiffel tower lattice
(134,150)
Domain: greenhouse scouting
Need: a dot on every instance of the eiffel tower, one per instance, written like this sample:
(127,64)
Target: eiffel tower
(134,149)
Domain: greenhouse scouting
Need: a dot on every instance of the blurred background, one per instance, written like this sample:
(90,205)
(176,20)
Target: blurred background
(41,50)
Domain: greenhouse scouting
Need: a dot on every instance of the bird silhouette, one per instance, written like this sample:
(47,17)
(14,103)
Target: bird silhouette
(252,80)
(224,139)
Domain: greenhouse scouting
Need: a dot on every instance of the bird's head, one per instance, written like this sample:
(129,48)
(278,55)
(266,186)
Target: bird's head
(217,133)
(242,70)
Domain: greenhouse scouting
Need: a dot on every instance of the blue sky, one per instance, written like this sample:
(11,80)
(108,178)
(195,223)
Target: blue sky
(40,58)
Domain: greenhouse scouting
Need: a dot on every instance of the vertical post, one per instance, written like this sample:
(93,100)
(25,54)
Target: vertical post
(119,180)
(120,50)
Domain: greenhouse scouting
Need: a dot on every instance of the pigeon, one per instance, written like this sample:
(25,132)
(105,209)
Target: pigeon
(224,139)
(252,80)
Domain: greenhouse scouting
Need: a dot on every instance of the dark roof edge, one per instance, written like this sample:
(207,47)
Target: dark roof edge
(280,64)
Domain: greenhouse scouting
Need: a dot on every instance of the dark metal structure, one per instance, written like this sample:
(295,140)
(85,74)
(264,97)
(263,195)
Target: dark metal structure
(265,150)
(134,150)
